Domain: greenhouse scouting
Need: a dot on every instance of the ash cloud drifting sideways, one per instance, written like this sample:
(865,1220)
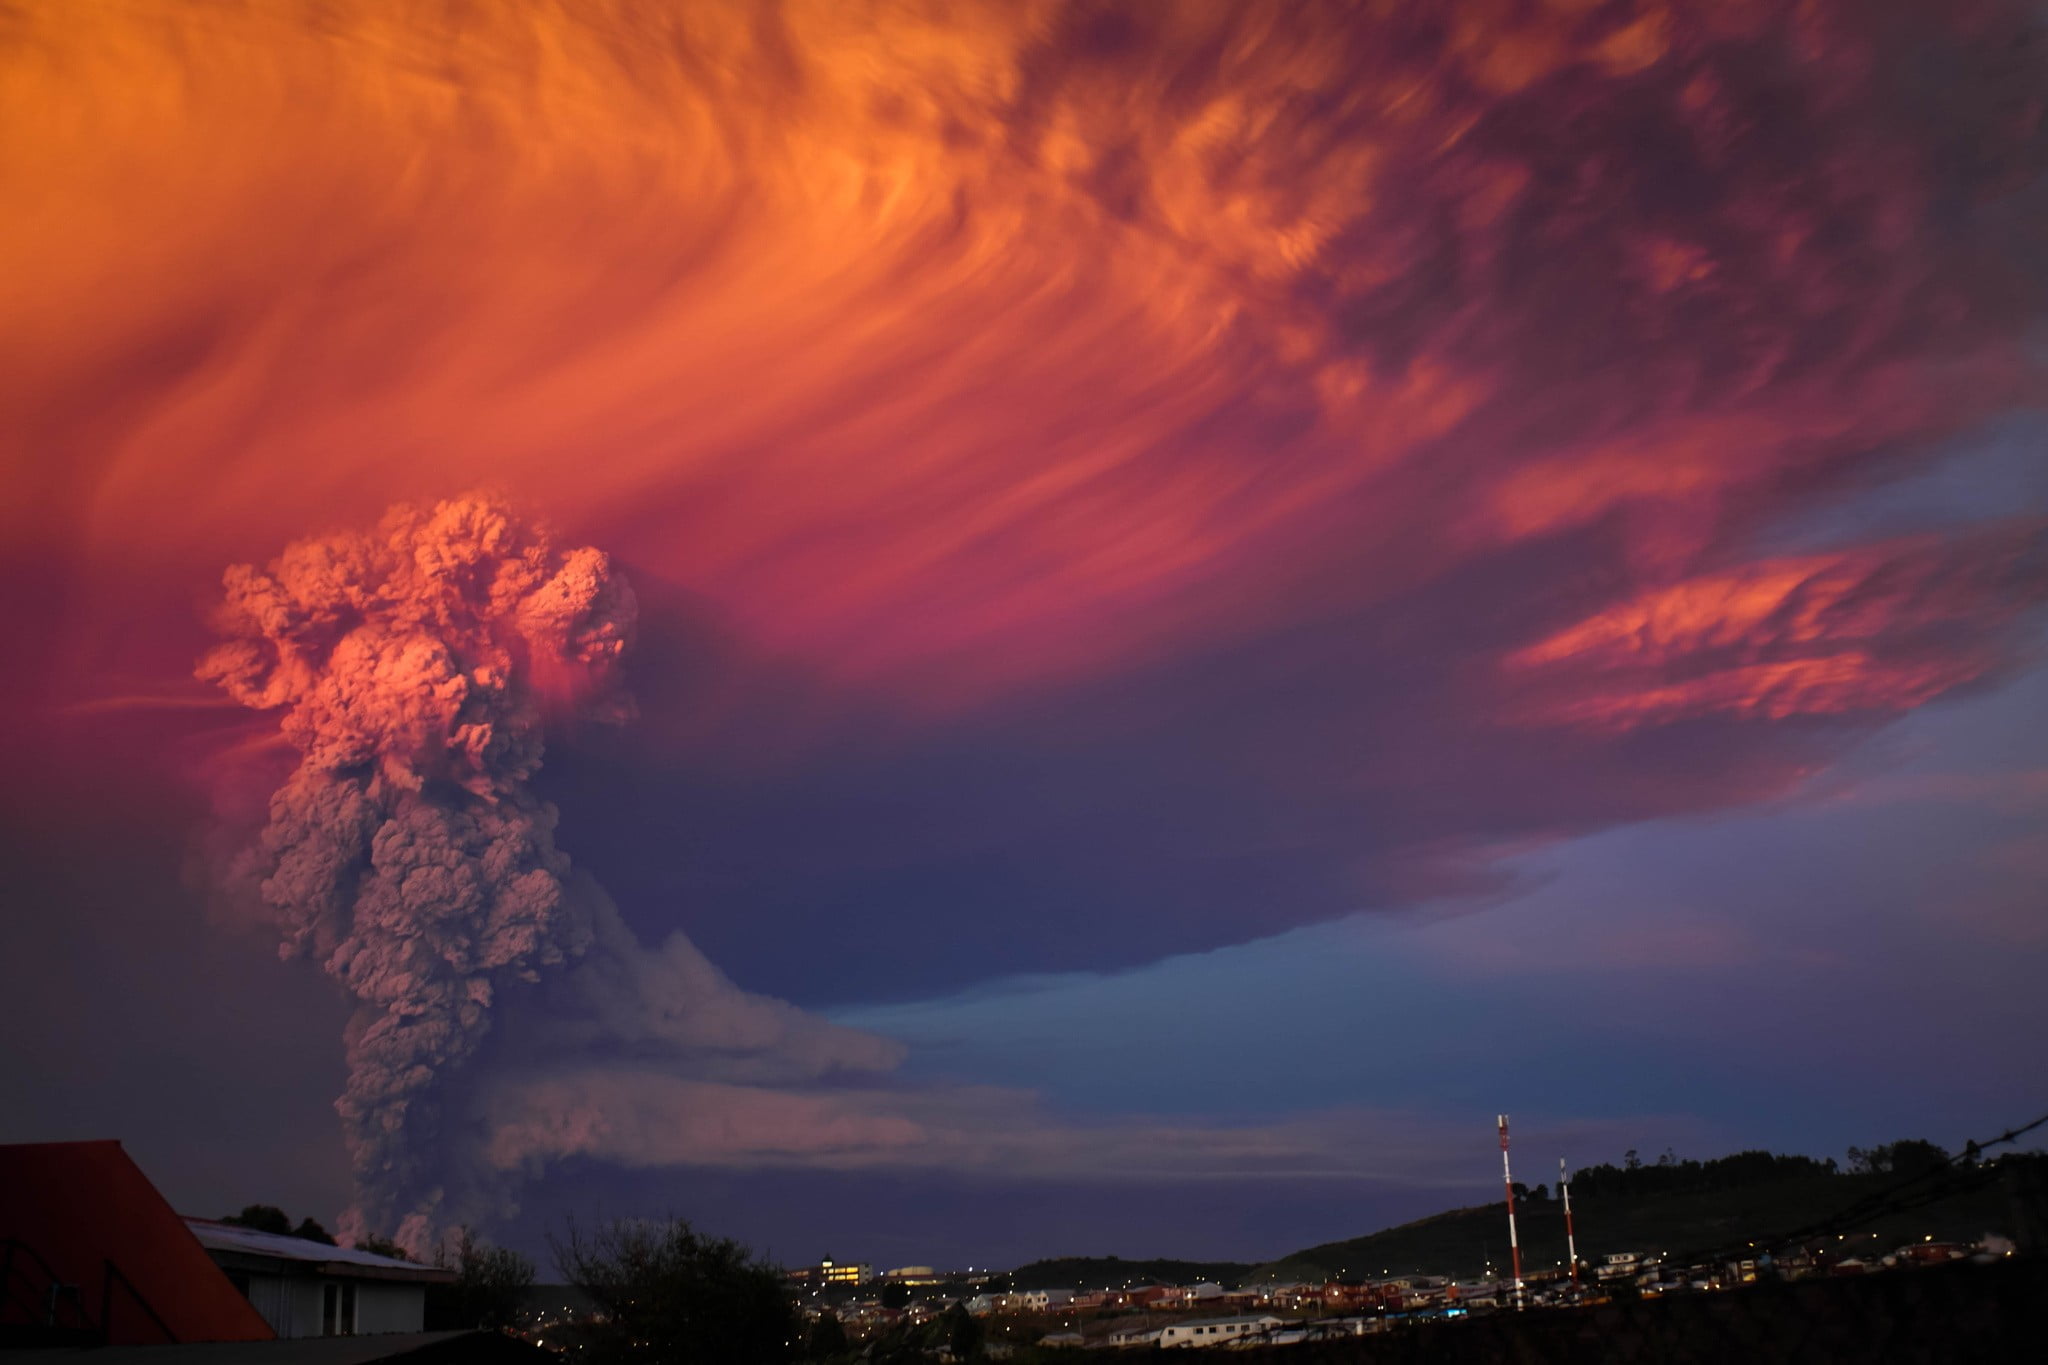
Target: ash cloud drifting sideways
(506,1018)
(644,1117)
(416,667)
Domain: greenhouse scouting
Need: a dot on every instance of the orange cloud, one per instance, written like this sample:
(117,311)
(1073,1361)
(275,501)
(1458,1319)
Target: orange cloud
(1874,629)
(958,349)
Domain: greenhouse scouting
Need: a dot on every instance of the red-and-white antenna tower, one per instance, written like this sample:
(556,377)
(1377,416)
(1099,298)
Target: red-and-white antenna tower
(1571,1246)
(1508,1181)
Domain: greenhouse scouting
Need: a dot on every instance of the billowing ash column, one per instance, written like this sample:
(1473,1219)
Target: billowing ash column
(415,665)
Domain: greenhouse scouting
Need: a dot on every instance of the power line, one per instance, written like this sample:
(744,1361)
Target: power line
(1887,1201)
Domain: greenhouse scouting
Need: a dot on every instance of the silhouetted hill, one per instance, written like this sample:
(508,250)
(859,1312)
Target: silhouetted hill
(1678,1222)
(1100,1272)
(1901,1192)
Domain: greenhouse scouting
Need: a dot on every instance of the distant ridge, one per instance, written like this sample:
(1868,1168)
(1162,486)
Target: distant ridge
(1102,1272)
(1672,1207)
(1461,1242)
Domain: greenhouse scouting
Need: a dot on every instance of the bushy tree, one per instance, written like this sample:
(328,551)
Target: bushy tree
(668,1294)
(1908,1156)
(263,1218)
(490,1288)
(271,1218)
(963,1333)
(827,1339)
(383,1246)
(313,1232)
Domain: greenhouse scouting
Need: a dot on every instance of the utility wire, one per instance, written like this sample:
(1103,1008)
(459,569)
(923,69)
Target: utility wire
(1885,1201)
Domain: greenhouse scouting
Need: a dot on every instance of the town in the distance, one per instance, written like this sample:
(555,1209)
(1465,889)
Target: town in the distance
(96,1256)
(1671,1227)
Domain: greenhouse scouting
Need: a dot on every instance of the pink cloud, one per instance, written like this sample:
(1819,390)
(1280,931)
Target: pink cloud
(640,1116)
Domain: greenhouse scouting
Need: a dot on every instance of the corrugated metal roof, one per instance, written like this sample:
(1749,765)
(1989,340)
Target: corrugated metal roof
(230,1237)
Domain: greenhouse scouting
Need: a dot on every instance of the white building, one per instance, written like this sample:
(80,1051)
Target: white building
(833,1272)
(1042,1300)
(1322,1329)
(1215,1332)
(1620,1265)
(310,1289)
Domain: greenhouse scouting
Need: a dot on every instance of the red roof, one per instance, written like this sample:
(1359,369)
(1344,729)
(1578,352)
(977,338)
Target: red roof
(82,1206)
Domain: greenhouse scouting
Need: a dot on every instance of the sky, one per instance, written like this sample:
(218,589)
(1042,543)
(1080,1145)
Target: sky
(949,633)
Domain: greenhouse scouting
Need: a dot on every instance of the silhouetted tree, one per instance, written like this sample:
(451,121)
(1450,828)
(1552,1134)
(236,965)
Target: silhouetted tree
(895,1295)
(1908,1156)
(1670,1174)
(271,1218)
(827,1340)
(384,1246)
(263,1218)
(490,1288)
(668,1294)
(963,1333)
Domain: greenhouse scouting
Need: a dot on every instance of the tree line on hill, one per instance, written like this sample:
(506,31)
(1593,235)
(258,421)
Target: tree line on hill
(1675,1204)
(1635,1178)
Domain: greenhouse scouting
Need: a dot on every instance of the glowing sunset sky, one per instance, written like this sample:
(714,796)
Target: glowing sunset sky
(1229,589)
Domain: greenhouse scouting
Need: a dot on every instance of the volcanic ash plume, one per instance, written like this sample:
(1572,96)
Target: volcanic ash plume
(405,853)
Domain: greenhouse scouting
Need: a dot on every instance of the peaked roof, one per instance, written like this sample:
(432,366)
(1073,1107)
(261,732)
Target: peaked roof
(84,1206)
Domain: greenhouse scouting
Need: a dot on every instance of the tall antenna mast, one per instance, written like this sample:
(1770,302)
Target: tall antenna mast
(1571,1246)
(1508,1182)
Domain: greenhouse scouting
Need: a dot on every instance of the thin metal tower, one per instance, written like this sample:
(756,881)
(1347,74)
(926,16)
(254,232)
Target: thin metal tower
(1571,1246)
(1508,1182)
